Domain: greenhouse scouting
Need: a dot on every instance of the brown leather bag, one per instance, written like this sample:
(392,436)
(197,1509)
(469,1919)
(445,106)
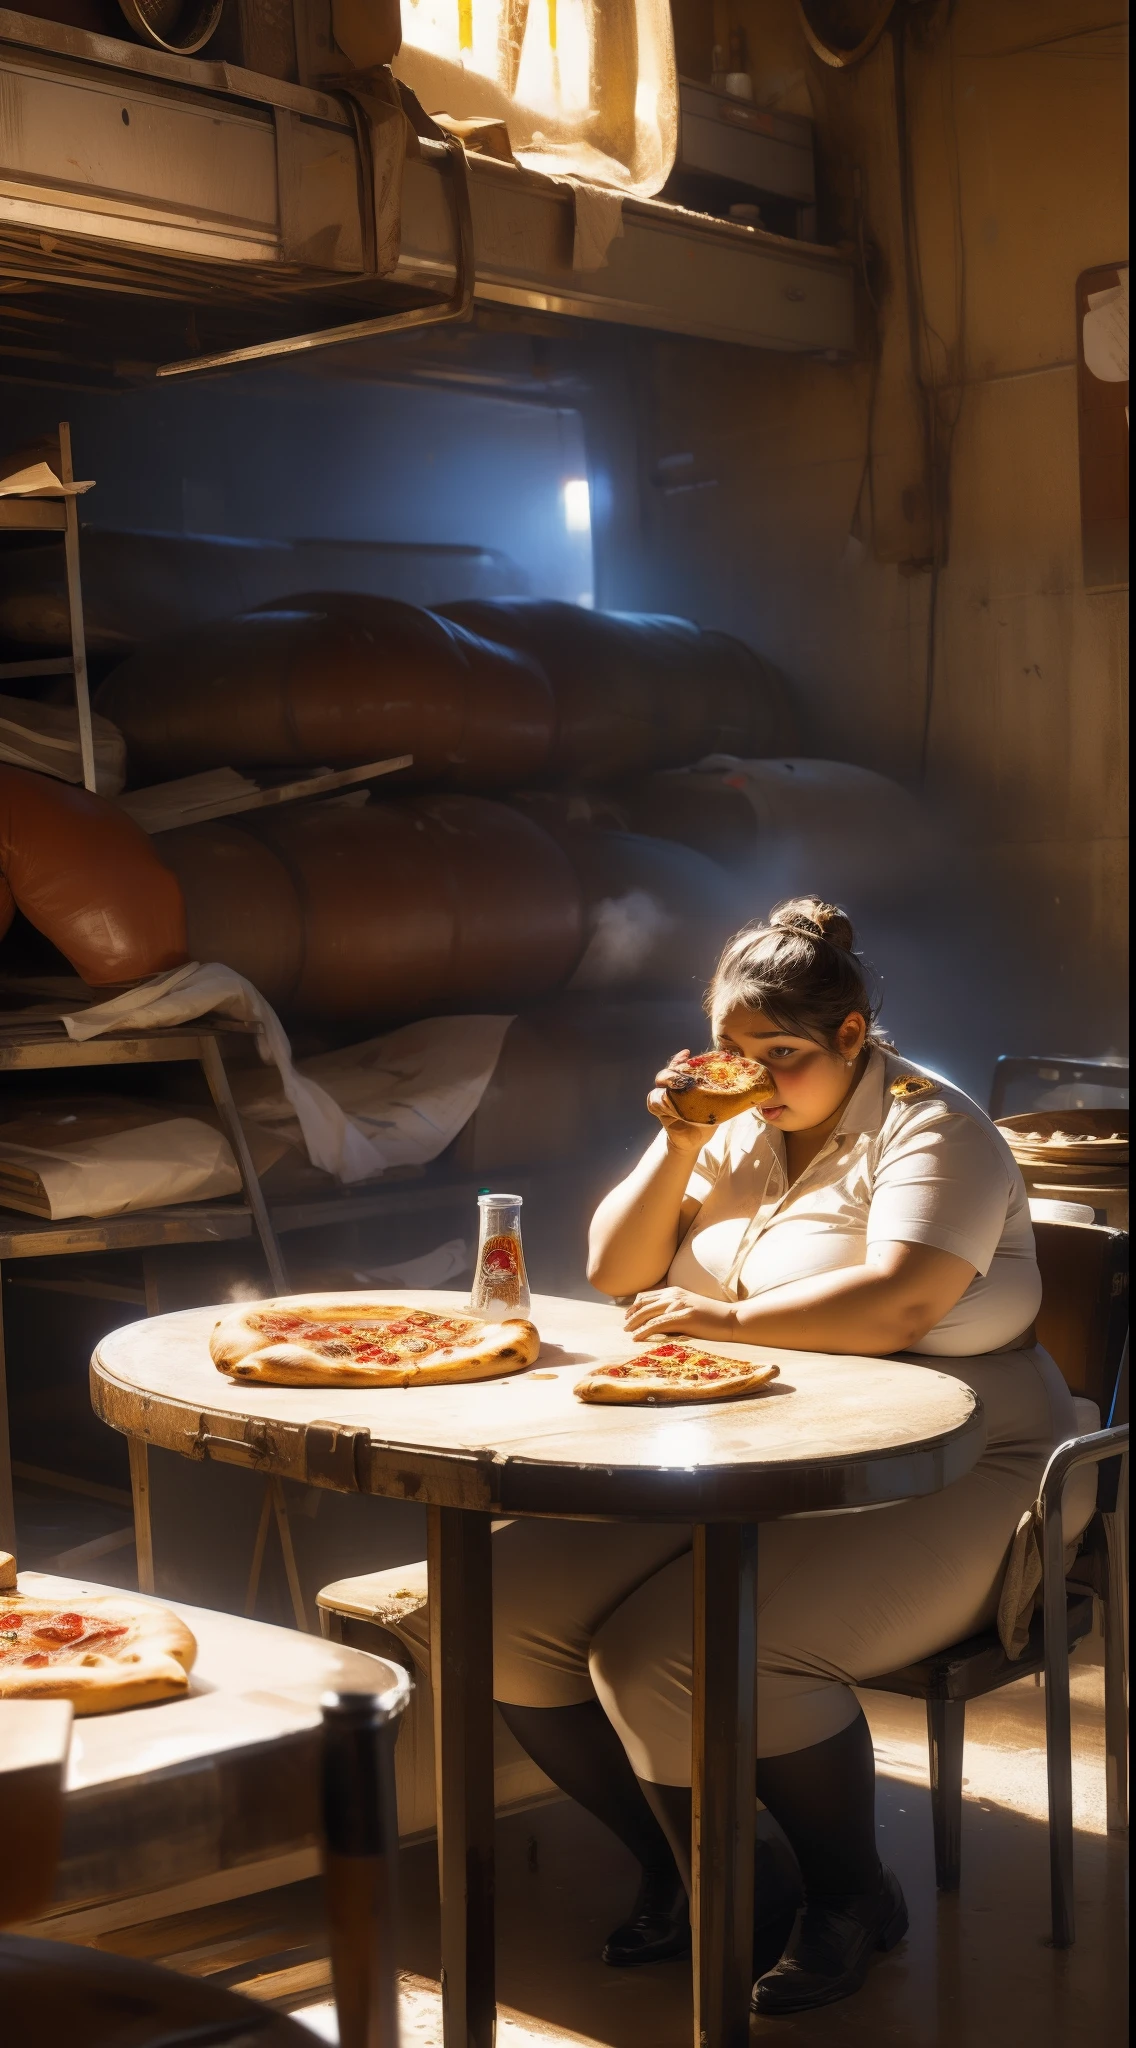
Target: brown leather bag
(88,878)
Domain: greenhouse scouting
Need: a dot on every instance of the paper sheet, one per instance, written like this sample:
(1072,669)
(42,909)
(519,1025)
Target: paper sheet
(412,1093)
(1105,333)
(38,480)
(46,737)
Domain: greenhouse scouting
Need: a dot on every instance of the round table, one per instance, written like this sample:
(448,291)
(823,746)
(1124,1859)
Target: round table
(832,1433)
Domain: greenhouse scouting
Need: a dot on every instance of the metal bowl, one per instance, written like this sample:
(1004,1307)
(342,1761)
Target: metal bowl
(179,25)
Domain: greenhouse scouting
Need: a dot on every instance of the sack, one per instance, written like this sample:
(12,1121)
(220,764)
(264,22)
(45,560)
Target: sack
(88,878)
(636,691)
(390,911)
(333,681)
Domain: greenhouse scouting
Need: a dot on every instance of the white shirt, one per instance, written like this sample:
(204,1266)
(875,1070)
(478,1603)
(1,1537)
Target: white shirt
(933,1171)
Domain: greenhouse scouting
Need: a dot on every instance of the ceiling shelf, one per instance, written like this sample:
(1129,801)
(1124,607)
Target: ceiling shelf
(125,171)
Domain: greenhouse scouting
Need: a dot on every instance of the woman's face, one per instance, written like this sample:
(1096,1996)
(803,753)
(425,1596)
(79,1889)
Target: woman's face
(812,1080)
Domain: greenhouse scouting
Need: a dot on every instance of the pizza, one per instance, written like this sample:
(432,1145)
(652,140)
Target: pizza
(674,1372)
(708,1087)
(364,1343)
(101,1653)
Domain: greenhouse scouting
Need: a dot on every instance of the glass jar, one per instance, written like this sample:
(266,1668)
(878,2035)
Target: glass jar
(500,1283)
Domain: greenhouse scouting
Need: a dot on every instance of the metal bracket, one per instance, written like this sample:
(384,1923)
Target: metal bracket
(204,1442)
(457,307)
(336,1456)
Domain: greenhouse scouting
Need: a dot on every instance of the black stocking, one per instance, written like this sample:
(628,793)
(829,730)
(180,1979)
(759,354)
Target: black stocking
(578,1748)
(824,1798)
(776,1879)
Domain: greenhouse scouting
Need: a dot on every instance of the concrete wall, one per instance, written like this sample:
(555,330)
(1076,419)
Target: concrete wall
(1017,123)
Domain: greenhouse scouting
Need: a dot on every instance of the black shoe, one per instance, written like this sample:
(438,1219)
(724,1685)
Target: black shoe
(831,1945)
(658,1926)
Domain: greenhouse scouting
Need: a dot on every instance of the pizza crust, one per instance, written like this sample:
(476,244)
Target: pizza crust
(151,1662)
(655,1378)
(490,1351)
(709,1088)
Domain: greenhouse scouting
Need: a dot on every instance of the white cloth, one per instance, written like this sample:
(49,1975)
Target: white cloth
(338,1142)
(931,1171)
(410,1091)
(598,223)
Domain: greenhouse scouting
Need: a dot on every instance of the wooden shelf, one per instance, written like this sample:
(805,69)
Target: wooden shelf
(32,515)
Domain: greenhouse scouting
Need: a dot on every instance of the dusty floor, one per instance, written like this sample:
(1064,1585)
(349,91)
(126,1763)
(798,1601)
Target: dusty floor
(975,1970)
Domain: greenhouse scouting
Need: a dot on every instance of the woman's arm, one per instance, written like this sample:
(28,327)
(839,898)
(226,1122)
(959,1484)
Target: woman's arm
(898,1294)
(638,1228)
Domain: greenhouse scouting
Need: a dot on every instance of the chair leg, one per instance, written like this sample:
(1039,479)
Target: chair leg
(1115,1604)
(1058,1732)
(946,1730)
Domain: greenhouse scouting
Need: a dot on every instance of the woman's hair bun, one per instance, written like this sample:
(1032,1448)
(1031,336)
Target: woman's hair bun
(814,919)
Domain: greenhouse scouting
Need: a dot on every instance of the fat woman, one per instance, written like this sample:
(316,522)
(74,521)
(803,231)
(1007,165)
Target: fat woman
(869,1209)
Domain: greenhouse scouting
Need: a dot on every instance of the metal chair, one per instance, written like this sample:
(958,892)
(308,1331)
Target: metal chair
(1083,1324)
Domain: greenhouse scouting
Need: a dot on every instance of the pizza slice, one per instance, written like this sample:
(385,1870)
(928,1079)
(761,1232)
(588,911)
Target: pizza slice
(100,1653)
(674,1372)
(363,1343)
(709,1087)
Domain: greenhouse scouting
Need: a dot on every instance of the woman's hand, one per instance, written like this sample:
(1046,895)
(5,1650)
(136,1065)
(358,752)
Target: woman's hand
(682,1136)
(672,1312)
(639,1226)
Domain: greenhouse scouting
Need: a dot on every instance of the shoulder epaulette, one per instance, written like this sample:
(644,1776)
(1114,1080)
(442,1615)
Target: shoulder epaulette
(910,1087)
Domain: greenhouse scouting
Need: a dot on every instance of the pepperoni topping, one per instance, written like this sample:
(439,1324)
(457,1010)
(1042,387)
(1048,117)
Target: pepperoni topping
(413,1331)
(66,1628)
(39,1638)
(103,1637)
(674,1362)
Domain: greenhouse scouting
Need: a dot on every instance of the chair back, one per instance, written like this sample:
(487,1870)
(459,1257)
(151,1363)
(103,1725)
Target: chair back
(1041,1072)
(1083,1319)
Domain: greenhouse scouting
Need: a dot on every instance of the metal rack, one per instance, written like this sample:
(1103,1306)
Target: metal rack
(57,512)
(270,202)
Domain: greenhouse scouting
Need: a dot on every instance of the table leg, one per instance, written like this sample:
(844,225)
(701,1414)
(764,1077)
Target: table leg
(140,1491)
(724,1748)
(461,1669)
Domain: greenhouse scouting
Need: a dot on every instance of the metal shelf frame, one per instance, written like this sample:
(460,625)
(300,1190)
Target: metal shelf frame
(267,209)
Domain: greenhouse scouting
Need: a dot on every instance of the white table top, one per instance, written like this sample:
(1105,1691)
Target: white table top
(226,1773)
(831,1432)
